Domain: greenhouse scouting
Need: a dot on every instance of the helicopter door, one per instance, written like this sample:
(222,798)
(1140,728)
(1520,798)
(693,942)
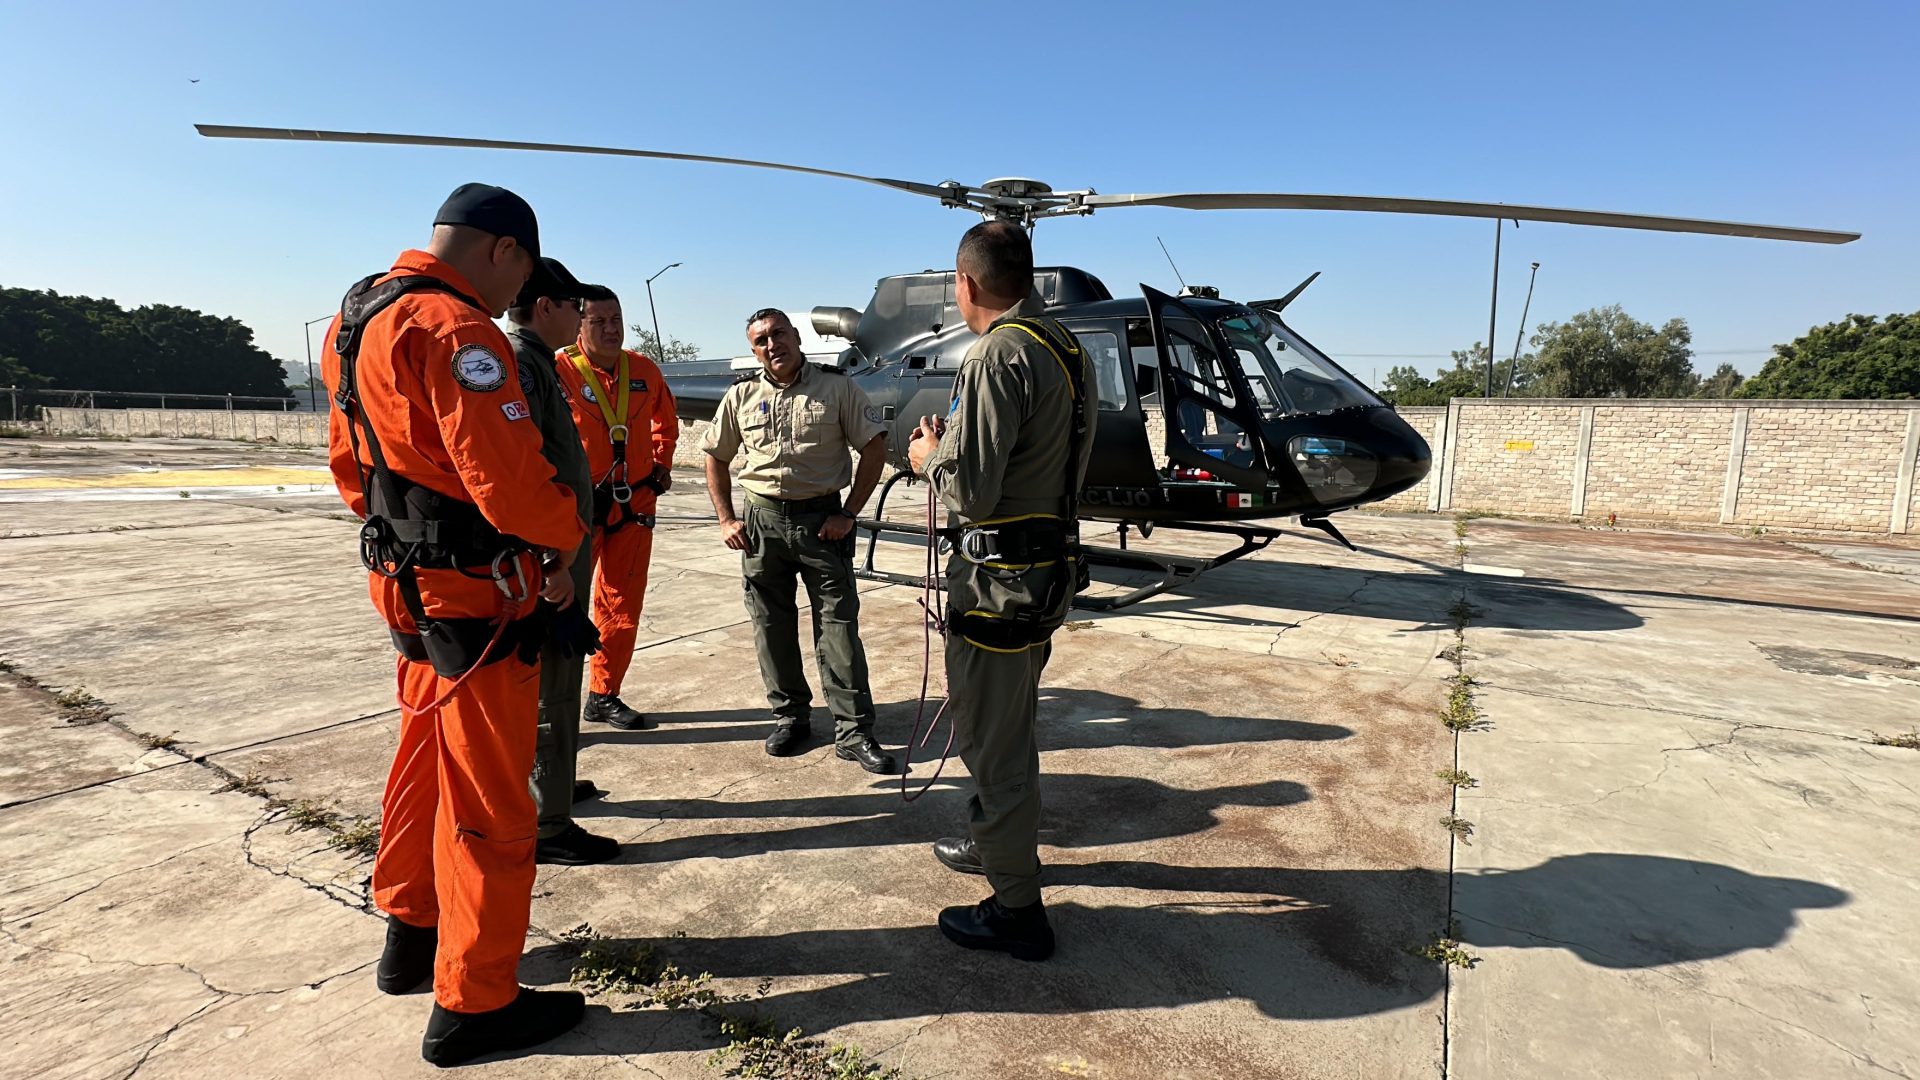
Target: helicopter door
(1212,419)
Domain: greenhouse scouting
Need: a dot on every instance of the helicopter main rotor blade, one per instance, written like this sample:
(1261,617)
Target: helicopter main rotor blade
(222,131)
(1446,208)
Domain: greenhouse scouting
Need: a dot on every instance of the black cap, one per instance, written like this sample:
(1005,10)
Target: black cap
(552,280)
(492,210)
(596,292)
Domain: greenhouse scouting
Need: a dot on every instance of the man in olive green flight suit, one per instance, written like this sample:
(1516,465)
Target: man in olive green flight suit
(798,423)
(548,309)
(1007,461)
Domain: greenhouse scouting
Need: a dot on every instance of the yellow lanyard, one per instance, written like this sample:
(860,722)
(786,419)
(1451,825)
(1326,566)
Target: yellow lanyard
(616,419)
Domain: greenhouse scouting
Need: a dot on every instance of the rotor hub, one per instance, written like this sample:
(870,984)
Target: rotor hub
(1016,187)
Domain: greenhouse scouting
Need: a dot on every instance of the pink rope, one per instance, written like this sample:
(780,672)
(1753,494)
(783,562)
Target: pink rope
(932,604)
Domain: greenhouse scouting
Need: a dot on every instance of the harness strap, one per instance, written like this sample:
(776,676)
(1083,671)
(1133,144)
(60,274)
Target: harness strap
(616,418)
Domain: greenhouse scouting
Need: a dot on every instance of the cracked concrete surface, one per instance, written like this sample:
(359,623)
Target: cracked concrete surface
(1688,858)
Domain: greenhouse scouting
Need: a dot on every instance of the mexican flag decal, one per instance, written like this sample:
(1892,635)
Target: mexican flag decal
(1240,500)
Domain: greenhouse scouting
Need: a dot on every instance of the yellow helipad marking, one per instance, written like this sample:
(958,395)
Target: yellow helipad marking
(175,478)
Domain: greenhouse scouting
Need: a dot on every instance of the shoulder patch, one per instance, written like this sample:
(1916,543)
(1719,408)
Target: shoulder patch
(873,414)
(638,386)
(528,385)
(477,368)
(515,410)
(586,391)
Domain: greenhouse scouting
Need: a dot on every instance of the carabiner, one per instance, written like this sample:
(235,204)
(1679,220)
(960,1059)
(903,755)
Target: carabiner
(519,577)
(974,545)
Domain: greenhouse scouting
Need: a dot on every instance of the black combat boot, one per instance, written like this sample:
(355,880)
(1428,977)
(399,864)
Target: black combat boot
(534,1017)
(860,747)
(1023,932)
(575,847)
(958,853)
(406,964)
(788,738)
(608,709)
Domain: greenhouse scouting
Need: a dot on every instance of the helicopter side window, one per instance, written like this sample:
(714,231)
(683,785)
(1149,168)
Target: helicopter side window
(1111,378)
(1307,381)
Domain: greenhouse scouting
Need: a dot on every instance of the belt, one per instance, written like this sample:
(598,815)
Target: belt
(823,504)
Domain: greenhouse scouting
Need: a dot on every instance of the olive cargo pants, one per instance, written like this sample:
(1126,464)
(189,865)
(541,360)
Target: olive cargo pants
(782,544)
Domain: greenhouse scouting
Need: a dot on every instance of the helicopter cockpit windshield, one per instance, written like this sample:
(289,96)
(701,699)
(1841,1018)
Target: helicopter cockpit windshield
(1287,375)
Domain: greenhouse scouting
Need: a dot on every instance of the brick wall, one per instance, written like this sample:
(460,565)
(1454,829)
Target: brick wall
(1786,464)
(1824,468)
(1517,457)
(284,428)
(1655,463)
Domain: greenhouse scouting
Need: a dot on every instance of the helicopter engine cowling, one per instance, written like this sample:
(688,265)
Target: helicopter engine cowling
(836,321)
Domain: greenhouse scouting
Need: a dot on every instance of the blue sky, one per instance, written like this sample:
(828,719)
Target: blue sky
(1784,113)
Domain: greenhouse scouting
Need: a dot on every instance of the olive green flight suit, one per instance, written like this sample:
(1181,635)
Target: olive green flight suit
(798,439)
(558,742)
(1004,455)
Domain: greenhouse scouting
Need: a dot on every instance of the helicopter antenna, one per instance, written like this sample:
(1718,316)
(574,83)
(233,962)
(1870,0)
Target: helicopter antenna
(1170,262)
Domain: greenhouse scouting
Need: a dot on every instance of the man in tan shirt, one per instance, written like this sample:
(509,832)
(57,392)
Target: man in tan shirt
(798,424)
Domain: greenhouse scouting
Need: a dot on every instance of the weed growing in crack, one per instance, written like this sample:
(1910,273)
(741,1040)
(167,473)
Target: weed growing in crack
(752,1050)
(1446,949)
(77,706)
(157,742)
(1460,527)
(1908,741)
(1461,714)
(254,784)
(360,836)
(1458,778)
(311,814)
(1463,613)
(1460,827)
(755,1045)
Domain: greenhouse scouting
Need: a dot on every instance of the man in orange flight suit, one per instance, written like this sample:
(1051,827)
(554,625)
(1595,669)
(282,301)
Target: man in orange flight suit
(430,442)
(627,422)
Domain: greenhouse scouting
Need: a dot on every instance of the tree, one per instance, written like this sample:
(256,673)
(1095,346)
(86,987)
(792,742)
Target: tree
(676,349)
(1607,353)
(79,342)
(1860,356)
(1721,384)
(1467,378)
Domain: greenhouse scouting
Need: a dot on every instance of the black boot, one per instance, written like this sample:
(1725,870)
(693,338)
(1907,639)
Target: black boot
(958,853)
(609,709)
(406,964)
(1023,932)
(575,847)
(860,747)
(788,738)
(534,1017)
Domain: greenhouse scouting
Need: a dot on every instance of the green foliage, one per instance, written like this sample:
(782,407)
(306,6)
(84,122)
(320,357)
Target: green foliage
(1858,357)
(1446,949)
(1907,741)
(753,1050)
(1457,778)
(1605,352)
(1466,378)
(79,342)
(676,350)
(1723,383)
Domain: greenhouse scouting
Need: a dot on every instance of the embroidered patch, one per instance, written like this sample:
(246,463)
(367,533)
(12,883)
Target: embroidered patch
(527,385)
(638,386)
(515,410)
(873,414)
(476,368)
(586,391)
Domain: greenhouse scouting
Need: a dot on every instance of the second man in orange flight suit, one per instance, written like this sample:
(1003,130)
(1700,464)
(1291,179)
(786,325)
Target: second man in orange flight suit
(627,422)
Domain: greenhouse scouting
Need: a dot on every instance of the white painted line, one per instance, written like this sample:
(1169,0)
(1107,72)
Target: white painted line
(1492,571)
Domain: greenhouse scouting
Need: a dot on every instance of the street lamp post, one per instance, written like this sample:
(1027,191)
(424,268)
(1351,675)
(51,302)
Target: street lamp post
(659,343)
(1493,306)
(1514,364)
(306,331)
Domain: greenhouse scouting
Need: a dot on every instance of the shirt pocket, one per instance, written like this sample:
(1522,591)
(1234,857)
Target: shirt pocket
(816,424)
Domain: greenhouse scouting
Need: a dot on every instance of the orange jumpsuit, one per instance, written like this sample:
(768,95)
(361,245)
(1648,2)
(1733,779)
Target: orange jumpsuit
(621,557)
(438,385)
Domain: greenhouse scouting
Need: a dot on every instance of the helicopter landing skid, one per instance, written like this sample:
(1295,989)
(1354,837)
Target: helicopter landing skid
(1174,570)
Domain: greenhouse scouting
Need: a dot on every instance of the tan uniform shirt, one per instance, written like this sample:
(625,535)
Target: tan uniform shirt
(1005,450)
(797,437)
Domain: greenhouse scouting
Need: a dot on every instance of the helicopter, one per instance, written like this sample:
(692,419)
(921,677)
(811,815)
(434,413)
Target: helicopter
(1257,422)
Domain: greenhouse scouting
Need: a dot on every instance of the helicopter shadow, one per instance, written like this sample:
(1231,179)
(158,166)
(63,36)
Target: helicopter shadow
(1417,600)
(1081,810)
(1297,944)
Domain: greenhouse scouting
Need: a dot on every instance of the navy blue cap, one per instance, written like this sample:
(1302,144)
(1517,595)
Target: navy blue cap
(492,210)
(553,281)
